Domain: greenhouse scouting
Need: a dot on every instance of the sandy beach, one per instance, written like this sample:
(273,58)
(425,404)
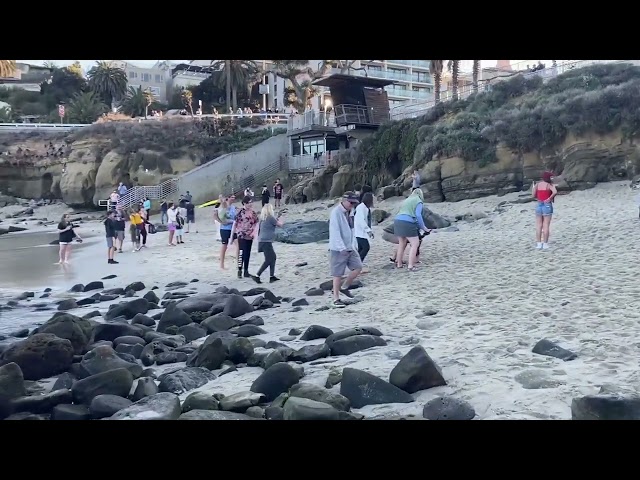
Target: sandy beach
(483,297)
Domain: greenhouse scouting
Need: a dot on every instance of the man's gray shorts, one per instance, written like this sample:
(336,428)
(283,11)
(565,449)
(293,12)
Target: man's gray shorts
(120,235)
(109,242)
(340,261)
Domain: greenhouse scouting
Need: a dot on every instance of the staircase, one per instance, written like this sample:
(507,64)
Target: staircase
(136,195)
(258,179)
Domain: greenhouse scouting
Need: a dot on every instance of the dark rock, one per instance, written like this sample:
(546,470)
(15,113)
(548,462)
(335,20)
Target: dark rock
(227,369)
(334,378)
(550,349)
(310,353)
(113,291)
(416,371)
(287,338)
(255,412)
(149,352)
(64,382)
(247,331)
(236,306)
(102,359)
(274,344)
(448,408)
(239,402)
(295,331)
(349,416)
(68,304)
(161,406)
(254,320)
(145,387)
(299,408)
(186,379)
(319,394)
(355,343)
(213,303)
(240,350)
(130,340)
(109,277)
(40,403)
(151,297)
(350,332)
(199,401)
(11,381)
(314,292)
(218,323)
(302,232)
(95,313)
(93,286)
(141,319)
(86,301)
(104,406)
(135,350)
(362,388)
(214,415)
(210,354)
(192,332)
(70,412)
(328,285)
(275,380)
(129,309)
(273,357)
(316,331)
(194,280)
(40,356)
(25,295)
(605,407)
(107,298)
(222,289)
(75,329)
(301,264)
(111,331)
(258,358)
(296,309)
(173,341)
(252,292)
(113,382)
(302,302)
(176,285)
(22,333)
(274,413)
(135,286)
(271,297)
(257,342)
(173,316)
(77,288)
(170,357)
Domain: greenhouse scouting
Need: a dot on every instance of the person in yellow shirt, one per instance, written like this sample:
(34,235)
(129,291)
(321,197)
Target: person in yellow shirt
(136,222)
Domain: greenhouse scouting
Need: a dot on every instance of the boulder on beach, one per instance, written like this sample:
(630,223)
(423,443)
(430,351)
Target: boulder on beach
(104,406)
(11,381)
(41,403)
(362,388)
(111,331)
(300,408)
(200,401)
(104,358)
(276,379)
(145,387)
(313,332)
(605,407)
(448,408)
(302,232)
(550,349)
(319,394)
(161,406)
(214,415)
(416,371)
(129,309)
(173,316)
(40,356)
(185,379)
(219,323)
(210,354)
(113,382)
(75,329)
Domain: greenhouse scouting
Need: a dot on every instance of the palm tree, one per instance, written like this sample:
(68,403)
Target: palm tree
(435,68)
(476,71)
(148,100)
(239,75)
(454,67)
(187,99)
(136,102)
(7,68)
(108,81)
(86,107)
(300,76)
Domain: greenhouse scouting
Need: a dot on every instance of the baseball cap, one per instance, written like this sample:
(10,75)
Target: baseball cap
(351,197)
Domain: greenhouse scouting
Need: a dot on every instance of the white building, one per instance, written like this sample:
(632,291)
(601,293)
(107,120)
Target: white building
(153,79)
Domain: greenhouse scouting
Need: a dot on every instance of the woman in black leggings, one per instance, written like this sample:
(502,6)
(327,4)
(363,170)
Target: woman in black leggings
(244,226)
(266,236)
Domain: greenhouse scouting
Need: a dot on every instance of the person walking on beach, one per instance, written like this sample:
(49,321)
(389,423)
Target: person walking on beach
(147,206)
(180,226)
(362,224)
(119,226)
(135,227)
(110,231)
(266,194)
(164,206)
(409,226)
(266,237)
(342,248)
(191,215)
(172,214)
(66,235)
(226,215)
(277,192)
(544,192)
(245,226)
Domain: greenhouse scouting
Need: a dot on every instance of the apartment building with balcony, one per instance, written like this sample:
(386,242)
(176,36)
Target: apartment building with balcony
(153,79)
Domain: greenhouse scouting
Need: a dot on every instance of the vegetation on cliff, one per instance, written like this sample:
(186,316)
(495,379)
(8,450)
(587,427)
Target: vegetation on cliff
(522,113)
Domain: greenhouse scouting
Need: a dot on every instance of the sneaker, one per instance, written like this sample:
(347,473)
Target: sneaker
(545,246)
(113,262)
(273,279)
(247,275)
(346,293)
(339,304)
(539,245)
(239,273)
(256,279)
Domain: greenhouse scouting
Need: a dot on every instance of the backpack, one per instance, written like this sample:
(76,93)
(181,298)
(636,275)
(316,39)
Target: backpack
(152,229)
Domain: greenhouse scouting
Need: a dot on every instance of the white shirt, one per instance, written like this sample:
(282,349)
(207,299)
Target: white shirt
(171,215)
(361,222)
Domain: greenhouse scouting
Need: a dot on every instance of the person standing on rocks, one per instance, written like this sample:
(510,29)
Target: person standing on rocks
(245,226)
(277,192)
(135,227)
(66,235)
(544,192)
(362,224)
(409,226)
(266,237)
(110,231)
(119,225)
(342,248)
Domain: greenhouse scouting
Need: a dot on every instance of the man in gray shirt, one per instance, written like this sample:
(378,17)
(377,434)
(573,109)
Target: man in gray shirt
(343,253)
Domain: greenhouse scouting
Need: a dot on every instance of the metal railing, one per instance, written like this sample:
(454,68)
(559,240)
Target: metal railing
(350,114)
(415,109)
(258,179)
(58,127)
(307,162)
(136,195)
(311,118)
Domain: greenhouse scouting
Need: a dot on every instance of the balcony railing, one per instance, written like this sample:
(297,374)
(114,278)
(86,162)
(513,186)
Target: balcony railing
(411,63)
(355,114)
(311,118)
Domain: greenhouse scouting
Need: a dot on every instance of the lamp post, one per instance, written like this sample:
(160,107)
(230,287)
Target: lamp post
(264,82)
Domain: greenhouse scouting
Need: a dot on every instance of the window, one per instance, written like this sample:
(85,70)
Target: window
(133,75)
(155,91)
(146,77)
(398,71)
(309,147)
(332,144)
(420,76)
(374,68)
(159,78)
(295,147)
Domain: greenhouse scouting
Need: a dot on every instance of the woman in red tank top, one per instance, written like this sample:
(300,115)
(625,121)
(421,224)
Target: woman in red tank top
(544,192)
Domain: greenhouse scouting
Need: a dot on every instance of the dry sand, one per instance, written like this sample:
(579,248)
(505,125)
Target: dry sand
(494,296)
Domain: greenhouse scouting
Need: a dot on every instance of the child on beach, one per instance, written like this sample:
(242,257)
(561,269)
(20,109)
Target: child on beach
(179,226)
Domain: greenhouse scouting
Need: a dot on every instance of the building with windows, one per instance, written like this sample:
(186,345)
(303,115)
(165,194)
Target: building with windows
(153,79)
(27,77)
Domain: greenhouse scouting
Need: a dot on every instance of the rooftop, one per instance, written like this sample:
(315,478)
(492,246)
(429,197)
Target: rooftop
(340,79)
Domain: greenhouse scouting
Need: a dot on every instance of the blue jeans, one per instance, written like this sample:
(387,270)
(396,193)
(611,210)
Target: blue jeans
(164,217)
(544,209)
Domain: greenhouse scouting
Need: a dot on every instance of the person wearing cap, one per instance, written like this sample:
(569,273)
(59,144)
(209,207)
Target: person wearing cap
(544,192)
(409,226)
(343,252)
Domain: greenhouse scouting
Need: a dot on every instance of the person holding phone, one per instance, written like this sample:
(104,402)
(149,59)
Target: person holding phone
(266,236)
(66,236)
